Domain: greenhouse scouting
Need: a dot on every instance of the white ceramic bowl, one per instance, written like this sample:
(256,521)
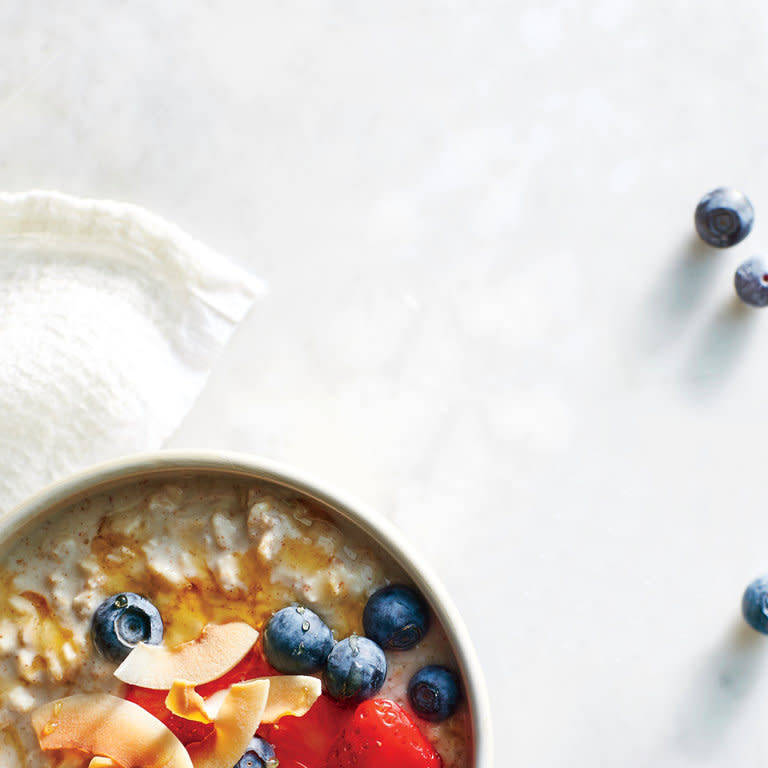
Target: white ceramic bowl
(174,463)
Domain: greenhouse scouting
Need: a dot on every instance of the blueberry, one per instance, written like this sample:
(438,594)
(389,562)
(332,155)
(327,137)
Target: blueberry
(396,617)
(355,670)
(434,693)
(724,217)
(754,604)
(297,641)
(123,621)
(258,754)
(751,282)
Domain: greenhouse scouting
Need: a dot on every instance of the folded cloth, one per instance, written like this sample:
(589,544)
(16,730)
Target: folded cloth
(110,320)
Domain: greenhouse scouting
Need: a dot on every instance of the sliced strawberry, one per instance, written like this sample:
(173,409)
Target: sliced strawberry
(381,735)
(303,742)
(253,664)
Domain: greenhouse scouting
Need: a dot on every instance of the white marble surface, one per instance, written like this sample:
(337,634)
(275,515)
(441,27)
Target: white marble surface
(487,317)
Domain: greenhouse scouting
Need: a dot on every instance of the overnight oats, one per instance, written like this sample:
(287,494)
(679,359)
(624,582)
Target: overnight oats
(214,622)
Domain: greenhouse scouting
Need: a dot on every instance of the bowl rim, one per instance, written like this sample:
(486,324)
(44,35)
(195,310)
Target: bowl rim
(91,479)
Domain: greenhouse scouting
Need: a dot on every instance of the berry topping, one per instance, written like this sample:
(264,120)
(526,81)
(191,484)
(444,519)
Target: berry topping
(297,641)
(304,742)
(724,217)
(123,621)
(434,693)
(751,282)
(396,617)
(381,735)
(252,665)
(754,604)
(355,670)
(259,754)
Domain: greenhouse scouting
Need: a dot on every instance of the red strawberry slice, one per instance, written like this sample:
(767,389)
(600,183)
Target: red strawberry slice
(303,742)
(381,735)
(252,665)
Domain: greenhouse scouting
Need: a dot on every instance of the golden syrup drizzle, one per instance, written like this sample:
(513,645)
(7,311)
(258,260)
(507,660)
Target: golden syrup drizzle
(186,610)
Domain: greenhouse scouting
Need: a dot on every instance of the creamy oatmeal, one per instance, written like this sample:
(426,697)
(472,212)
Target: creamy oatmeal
(203,550)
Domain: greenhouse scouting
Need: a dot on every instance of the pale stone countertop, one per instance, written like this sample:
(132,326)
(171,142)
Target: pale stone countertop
(487,314)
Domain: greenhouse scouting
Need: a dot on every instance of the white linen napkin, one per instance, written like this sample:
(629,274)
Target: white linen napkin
(110,320)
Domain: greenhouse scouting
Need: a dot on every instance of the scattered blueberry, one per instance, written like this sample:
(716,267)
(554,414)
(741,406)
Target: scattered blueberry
(434,693)
(355,670)
(751,282)
(123,621)
(754,604)
(724,217)
(258,754)
(396,617)
(297,641)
